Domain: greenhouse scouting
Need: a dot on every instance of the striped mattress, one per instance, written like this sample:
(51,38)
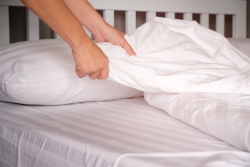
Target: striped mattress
(120,133)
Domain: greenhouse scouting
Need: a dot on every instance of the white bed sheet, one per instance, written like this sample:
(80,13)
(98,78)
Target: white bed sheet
(121,133)
(176,56)
(243,44)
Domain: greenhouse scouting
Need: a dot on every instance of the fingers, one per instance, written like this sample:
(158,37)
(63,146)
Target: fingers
(95,74)
(104,74)
(101,74)
(79,73)
(91,61)
(128,48)
(126,45)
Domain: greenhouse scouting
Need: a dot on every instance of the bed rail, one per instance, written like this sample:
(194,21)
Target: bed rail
(236,8)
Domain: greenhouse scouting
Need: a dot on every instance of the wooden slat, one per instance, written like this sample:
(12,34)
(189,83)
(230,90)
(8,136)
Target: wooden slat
(108,16)
(220,23)
(232,7)
(150,15)
(130,22)
(205,20)
(4,25)
(239,26)
(170,15)
(32,26)
(188,16)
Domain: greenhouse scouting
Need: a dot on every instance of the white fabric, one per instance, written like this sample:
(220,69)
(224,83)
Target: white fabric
(120,133)
(243,44)
(173,56)
(224,116)
(42,72)
(176,56)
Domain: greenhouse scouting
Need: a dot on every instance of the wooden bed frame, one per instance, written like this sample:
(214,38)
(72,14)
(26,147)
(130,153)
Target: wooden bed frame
(236,8)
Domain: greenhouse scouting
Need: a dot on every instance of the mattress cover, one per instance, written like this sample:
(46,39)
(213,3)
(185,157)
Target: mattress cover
(121,133)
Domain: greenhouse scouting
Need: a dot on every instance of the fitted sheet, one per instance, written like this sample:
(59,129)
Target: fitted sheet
(120,133)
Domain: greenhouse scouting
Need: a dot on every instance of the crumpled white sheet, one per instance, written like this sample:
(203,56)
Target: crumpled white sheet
(224,116)
(176,56)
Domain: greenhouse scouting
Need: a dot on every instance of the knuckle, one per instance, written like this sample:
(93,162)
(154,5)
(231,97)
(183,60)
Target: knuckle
(106,62)
(80,75)
(92,76)
(99,68)
(104,75)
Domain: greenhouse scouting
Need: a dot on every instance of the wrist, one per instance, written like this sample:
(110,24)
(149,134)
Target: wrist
(99,28)
(80,42)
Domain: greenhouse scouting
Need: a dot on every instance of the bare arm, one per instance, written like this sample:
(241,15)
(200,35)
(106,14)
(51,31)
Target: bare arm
(90,60)
(86,15)
(102,31)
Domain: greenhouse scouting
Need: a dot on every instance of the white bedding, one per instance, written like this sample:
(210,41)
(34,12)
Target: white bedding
(120,133)
(176,56)
(243,44)
(224,116)
(42,73)
(211,76)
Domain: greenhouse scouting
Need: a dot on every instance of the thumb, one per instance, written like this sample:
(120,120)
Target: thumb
(104,73)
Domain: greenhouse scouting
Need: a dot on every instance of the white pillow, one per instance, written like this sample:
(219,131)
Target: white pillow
(42,73)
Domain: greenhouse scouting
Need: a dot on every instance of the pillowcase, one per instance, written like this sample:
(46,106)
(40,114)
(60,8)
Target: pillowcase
(42,73)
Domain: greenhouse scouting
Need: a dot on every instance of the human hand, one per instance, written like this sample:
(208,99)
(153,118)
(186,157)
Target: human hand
(90,60)
(110,34)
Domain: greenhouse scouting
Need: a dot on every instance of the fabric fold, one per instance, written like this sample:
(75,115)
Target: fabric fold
(224,116)
(176,56)
(192,73)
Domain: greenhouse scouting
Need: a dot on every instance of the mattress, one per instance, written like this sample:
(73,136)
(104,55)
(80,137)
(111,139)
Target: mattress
(119,133)
(122,133)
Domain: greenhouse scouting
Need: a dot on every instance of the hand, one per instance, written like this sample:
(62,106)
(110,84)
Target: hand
(109,34)
(90,60)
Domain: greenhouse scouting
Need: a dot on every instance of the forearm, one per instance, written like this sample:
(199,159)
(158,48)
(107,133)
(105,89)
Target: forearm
(57,15)
(86,15)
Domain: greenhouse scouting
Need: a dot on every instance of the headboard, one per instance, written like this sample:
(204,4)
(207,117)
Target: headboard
(220,8)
